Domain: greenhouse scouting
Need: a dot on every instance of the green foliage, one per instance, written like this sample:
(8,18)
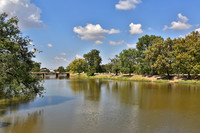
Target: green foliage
(128,60)
(44,69)
(36,67)
(93,60)
(145,66)
(60,69)
(187,54)
(115,64)
(146,41)
(78,66)
(91,71)
(161,53)
(16,61)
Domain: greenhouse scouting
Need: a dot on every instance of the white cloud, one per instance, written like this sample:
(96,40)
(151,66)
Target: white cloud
(127,4)
(78,56)
(60,59)
(49,45)
(131,45)
(198,30)
(181,24)
(149,28)
(113,31)
(135,29)
(98,42)
(117,43)
(27,13)
(34,50)
(93,32)
(63,54)
(31,44)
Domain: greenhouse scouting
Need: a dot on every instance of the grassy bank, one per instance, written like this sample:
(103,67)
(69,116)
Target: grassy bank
(156,78)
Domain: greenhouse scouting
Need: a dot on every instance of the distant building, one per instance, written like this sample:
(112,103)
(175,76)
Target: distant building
(51,70)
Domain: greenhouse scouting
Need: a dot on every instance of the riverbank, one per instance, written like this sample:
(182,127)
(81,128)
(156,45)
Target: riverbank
(155,78)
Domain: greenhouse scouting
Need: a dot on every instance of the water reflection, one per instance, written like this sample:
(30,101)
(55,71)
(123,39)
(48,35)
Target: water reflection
(144,94)
(108,106)
(33,103)
(23,123)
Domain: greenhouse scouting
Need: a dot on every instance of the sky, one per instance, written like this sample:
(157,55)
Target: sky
(65,30)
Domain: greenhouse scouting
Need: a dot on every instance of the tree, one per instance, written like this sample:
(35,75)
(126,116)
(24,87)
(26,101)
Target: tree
(16,61)
(93,60)
(78,66)
(60,69)
(36,67)
(44,69)
(128,60)
(161,53)
(144,66)
(115,64)
(187,53)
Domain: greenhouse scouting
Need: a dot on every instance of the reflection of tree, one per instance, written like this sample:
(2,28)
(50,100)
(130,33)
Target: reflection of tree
(126,91)
(144,94)
(157,95)
(13,104)
(91,87)
(29,123)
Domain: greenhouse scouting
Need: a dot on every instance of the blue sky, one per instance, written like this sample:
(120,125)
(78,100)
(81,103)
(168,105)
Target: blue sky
(66,29)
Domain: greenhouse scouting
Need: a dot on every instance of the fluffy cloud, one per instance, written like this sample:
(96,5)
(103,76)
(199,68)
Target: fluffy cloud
(49,45)
(60,59)
(127,4)
(131,45)
(27,13)
(98,42)
(198,30)
(63,54)
(181,24)
(183,36)
(117,43)
(135,29)
(93,32)
(78,56)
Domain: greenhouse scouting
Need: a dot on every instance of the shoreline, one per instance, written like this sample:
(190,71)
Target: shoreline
(140,78)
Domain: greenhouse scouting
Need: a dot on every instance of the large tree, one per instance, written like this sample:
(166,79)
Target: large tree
(78,66)
(187,54)
(94,60)
(128,60)
(161,53)
(115,64)
(16,61)
(144,66)
(60,69)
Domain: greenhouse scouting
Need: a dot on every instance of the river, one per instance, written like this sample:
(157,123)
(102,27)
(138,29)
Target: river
(106,106)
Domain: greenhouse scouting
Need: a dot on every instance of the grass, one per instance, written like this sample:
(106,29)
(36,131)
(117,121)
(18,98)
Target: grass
(138,78)
(162,80)
(111,77)
(189,81)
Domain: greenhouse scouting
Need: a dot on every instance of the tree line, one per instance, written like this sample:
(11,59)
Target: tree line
(152,56)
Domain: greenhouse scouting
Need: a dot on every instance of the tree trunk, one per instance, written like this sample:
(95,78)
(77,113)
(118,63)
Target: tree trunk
(151,67)
(189,75)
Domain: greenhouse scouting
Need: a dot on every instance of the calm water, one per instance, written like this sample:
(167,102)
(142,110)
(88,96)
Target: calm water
(106,106)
